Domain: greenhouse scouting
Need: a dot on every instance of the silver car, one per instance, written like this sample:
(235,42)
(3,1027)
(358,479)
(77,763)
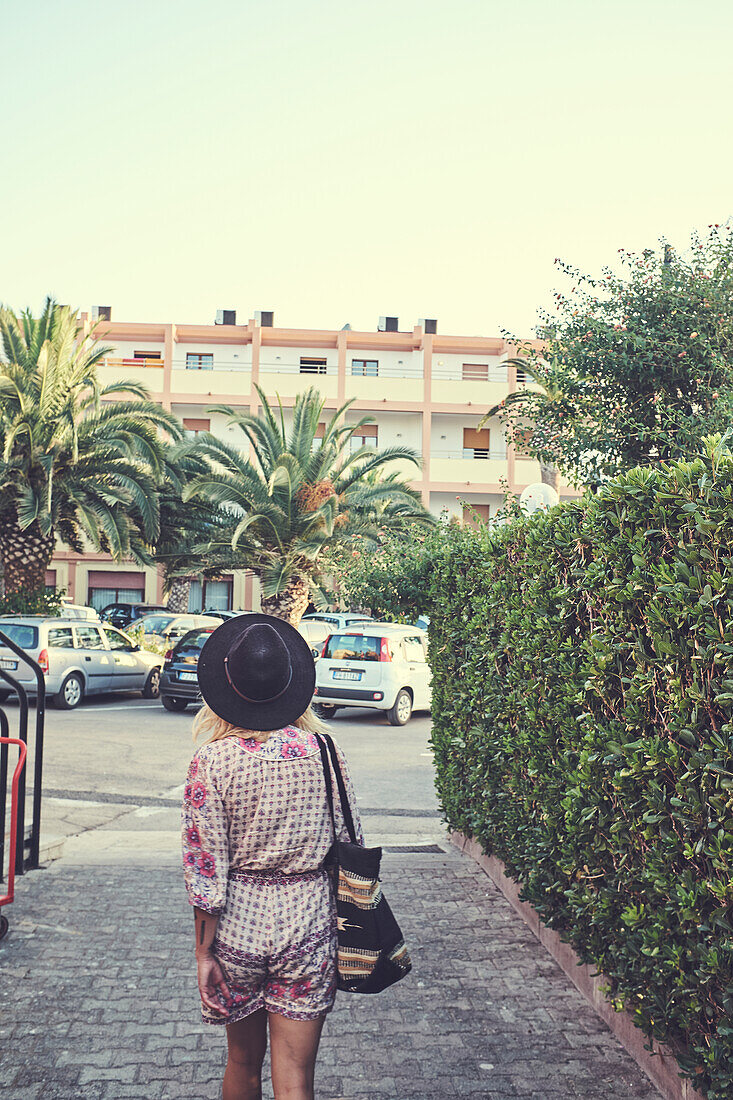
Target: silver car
(78,658)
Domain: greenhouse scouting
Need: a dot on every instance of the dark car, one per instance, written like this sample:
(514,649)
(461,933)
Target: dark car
(122,614)
(179,684)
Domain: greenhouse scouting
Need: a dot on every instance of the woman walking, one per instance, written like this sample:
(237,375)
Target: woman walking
(256,832)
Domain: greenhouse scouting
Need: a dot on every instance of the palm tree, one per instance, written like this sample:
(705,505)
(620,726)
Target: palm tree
(512,407)
(185,526)
(77,459)
(296,497)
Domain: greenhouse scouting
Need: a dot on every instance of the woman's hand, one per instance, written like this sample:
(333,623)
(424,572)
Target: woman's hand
(212,983)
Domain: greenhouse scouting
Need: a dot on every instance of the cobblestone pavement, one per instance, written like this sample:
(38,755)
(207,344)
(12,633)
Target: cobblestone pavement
(98,998)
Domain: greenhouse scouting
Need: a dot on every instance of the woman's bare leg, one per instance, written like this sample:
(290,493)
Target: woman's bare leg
(247,1043)
(293,1050)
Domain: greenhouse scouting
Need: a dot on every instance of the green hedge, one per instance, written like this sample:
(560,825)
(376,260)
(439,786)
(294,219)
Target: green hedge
(583,695)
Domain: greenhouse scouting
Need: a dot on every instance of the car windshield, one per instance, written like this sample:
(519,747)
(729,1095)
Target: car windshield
(24,636)
(155,624)
(192,645)
(353,647)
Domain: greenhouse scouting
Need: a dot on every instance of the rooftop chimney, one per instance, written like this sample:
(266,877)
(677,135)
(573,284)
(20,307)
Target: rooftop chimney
(429,325)
(388,324)
(265,317)
(226,317)
(101,313)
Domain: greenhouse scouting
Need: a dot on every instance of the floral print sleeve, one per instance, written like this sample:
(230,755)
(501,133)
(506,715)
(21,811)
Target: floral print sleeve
(340,824)
(205,837)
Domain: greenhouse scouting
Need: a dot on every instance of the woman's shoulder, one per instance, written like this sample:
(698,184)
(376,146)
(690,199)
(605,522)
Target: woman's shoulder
(289,743)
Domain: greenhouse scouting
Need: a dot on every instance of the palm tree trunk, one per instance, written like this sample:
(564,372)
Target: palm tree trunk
(291,604)
(179,591)
(25,556)
(550,475)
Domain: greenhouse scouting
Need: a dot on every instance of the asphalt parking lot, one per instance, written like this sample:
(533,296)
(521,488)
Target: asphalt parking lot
(117,764)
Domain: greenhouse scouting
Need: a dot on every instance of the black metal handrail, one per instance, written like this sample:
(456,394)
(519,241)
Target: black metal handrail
(21,863)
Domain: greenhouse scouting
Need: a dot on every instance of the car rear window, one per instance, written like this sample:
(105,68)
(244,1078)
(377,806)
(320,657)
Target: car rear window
(24,636)
(353,647)
(192,645)
(154,624)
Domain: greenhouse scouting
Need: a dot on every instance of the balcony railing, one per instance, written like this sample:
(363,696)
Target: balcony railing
(456,372)
(493,454)
(122,363)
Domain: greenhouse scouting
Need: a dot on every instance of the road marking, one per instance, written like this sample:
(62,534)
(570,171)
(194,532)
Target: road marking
(126,706)
(174,792)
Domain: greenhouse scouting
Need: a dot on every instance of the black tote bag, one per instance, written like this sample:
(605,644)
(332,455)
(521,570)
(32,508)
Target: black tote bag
(371,950)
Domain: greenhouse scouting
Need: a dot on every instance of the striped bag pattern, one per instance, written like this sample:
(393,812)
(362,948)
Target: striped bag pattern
(371,952)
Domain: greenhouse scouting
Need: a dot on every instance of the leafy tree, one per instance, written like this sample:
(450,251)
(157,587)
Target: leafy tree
(637,367)
(513,411)
(77,459)
(297,497)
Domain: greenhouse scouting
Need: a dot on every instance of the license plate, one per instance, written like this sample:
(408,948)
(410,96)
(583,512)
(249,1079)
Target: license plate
(5,663)
(187,676)
(342,674)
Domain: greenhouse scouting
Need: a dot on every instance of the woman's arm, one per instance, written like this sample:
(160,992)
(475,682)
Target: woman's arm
(212,982)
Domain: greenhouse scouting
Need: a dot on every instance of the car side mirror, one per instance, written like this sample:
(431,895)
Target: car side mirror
(136,649)
(315,652)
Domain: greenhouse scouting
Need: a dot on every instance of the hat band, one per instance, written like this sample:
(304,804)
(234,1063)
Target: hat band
(247,699)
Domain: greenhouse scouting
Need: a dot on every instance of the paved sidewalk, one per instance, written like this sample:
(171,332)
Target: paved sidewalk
(98,998)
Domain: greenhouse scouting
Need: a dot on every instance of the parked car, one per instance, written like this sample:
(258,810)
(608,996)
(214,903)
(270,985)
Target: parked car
(122,614)
(77,658)
(79,611)
(315,632)
(179,683)
(168,628)
(336,620)
(223,614)
(382,666)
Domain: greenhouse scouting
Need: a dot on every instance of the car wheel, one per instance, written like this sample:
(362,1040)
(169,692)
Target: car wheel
(400,713)
(152,684)
(324,710)
(3,926)
(71,693)
(171,703)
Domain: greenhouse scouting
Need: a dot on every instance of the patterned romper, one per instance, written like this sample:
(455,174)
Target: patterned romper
(256,830)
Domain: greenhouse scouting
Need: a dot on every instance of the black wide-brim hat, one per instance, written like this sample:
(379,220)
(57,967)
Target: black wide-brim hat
(257,672)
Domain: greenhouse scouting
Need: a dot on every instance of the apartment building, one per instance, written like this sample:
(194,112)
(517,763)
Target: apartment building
(417,387)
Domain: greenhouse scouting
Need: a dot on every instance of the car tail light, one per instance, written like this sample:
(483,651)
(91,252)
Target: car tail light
(168,655)
(384,653)
(43,660)
(325,647)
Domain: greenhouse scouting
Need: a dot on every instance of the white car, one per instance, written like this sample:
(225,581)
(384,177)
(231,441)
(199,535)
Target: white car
(382,666)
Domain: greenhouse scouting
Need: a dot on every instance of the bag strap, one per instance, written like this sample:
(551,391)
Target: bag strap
(328,750)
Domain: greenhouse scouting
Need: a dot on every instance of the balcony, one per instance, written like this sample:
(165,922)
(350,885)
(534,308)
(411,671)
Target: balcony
(214,382)
(461,467)
(290,379)
(147,371)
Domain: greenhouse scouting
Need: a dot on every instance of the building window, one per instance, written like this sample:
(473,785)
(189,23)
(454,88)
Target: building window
(199,361)
(365,367)
(147,355)
(475,372)
(192,426)
(312,366)
(211,595)
(320,432)
(476,444)
(365,436)
(521,376)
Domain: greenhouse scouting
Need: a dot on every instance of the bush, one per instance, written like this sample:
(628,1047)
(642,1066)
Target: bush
(582,707)
(39,602)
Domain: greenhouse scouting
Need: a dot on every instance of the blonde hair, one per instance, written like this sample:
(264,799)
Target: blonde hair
(209,725)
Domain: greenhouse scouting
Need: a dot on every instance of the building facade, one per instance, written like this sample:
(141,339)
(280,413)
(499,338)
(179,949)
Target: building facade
(417,387)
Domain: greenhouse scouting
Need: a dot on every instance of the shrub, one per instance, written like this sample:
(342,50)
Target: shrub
(582,707)
(39,602)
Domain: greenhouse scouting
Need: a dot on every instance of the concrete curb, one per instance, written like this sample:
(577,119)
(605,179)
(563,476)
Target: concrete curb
(660,1066)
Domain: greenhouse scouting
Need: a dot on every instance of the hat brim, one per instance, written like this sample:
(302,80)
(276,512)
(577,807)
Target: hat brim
(221,697)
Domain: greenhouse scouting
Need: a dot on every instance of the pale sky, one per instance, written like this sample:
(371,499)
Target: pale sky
(341,159)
